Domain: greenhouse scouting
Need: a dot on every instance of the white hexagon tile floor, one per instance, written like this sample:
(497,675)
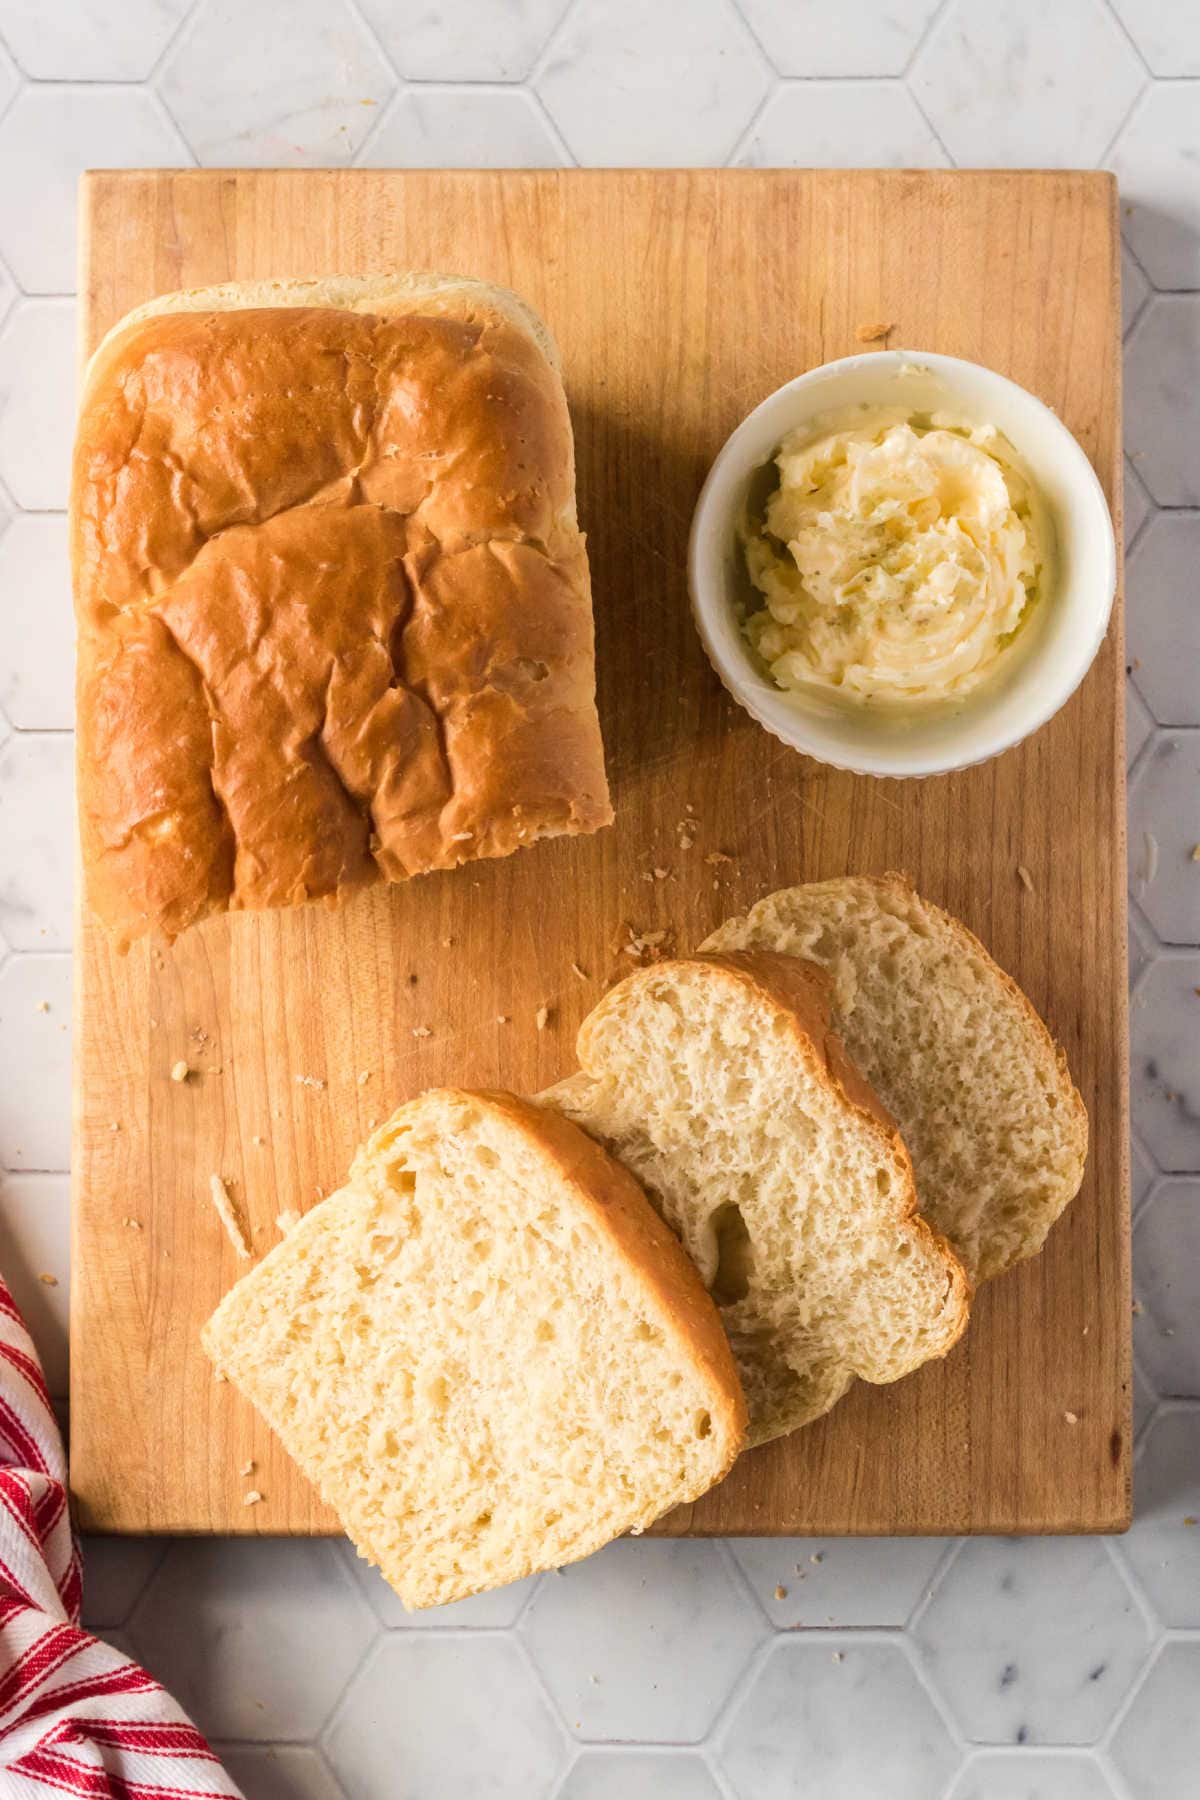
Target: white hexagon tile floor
(836,1670)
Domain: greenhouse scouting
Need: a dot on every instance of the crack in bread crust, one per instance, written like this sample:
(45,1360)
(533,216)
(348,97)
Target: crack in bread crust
(357,532)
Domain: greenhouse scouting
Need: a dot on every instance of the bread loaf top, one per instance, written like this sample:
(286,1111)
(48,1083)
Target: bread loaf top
(333,603)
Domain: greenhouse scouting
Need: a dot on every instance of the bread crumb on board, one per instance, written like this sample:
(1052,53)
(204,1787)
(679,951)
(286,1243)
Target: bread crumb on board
(230,1217)
(248,1467)
(133,1224)
(43,1006)
(1025,878)
(421,1031)
(310,1081)
(644,946)
(253,1498)
(364,1075)
(873,334)
(1072,1418)
(542,1017)
(180,1070)
(581,973)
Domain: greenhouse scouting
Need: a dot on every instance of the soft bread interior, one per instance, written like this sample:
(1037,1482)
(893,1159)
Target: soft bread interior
(720,1087)
(474,1371)
(983,1098)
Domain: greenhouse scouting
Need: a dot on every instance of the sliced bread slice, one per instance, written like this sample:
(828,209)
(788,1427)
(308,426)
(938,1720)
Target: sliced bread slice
(486,1350)
(981,1093)
(718,1081)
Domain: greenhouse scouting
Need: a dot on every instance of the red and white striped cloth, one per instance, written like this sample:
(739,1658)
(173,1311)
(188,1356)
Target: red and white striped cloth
(76,1717)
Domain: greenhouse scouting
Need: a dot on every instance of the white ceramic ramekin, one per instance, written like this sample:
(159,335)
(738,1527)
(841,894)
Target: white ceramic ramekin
(1074,611)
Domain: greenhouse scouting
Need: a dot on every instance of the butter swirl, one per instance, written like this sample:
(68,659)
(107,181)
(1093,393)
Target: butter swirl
(897,560)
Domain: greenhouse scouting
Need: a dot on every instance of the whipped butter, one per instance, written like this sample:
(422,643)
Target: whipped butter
(897,560)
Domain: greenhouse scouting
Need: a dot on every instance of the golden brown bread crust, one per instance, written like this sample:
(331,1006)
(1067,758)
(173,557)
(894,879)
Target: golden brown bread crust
(333,606)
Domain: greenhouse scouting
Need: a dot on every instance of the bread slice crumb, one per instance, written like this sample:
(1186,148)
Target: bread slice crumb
(133,1224)
(229,1216)
(253,1498)
(581,973)
(421,1031)
(310,1081)
(542,1017)
(364,1075)
(180,1071)
(1025,878)
(1071,1418)
(248,1467)
(873,334)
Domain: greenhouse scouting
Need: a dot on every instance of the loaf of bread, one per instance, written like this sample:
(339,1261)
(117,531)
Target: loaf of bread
(487,1351)
(719,1083)
(983,1097)
(333,603)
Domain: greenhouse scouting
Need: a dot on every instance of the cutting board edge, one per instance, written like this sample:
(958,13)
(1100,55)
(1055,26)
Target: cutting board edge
(1114,1520)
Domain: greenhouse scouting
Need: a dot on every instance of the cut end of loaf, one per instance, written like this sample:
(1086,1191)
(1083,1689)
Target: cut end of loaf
(485,1350)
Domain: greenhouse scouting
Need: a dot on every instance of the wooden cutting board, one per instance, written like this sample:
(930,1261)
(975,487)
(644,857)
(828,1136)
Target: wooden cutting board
(679,300)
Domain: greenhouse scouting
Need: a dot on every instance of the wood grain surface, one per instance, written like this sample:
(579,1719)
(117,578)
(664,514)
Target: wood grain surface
(679,300)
